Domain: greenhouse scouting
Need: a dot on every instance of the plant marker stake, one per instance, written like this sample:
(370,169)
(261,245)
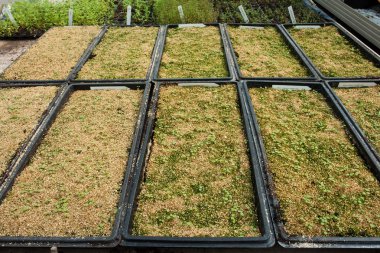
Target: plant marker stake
(129,14)
(71,14)
(181,14)
(291,13)
(243,14)
(356,84)
(9,14)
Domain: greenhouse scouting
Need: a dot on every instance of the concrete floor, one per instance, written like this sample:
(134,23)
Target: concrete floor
(10,50)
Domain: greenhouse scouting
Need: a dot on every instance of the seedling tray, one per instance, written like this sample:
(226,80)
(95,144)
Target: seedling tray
(155,54)
(224,42)
(59,103)
(370,54)
(24,145)
(330,86)
(295,50)
(266,239)
(75,69)
(283,238)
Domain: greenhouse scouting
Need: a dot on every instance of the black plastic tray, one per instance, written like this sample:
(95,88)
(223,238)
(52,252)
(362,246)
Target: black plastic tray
(224,41)
(282,237)
(264,241)
(371,55)
(296,53)
(73,72)
(21,149)
(155,53)
(114,238)
(353,121)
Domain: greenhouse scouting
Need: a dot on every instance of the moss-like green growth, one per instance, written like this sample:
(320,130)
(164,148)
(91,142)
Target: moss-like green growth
(20,110)
(333,54)
(324,186)
(264,53)
(71,187)
(198,177)
(364,105)
(193,53)
(124,53)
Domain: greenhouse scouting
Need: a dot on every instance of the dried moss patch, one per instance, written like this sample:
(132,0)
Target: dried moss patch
(193,53)
(333,54)
(71,186)
(124,53)
(364,105)
(54,55)
(198,177)
(324,186)
(20,110)
(264,53)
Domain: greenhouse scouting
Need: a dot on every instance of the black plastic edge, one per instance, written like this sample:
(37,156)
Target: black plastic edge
(283,239)
(130,241)
(224,45)
(313,76)
(82,242)
(371,55)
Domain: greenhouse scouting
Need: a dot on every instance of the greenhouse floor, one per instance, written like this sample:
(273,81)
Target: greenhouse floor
(11,49)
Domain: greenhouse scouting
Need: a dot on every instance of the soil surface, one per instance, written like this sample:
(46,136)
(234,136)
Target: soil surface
(264,53)
(20,111)
(193,53)
(364,105)
(71,186)
(333,54)
(198,178)
(10,50)
(124,53)
(54,54)
(323,185)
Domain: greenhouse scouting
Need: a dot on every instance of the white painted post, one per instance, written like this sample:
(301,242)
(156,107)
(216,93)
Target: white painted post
(292,16)
(243,14)
(129,15)
(181,14)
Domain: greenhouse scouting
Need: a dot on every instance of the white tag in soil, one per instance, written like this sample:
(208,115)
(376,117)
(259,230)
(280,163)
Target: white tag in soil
(292,16)
(109,88)
(307,26)
(243,14)
(190,25)
(290,87)
(250,27)
(129,14)
(198,84)
(8,13)
(356,85)
(181,14)
(71,14)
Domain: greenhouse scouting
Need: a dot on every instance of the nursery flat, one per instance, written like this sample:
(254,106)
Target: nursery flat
(264,53)
(124,53)
(364,105)
(323,185)
(193,53)
(333,54)
(20,108)
(198,177)
(71,186)
(53,55)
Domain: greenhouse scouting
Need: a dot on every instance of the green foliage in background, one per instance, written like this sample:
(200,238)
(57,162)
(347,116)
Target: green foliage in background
(37,16)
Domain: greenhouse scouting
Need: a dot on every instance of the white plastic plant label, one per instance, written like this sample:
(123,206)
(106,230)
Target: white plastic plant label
(356,84)
(198,84)
(292,16)
(181,14)
(243,14)
(8,13)
(129,15)
(250,27)
(109,88)
(290,87)
(71,14)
